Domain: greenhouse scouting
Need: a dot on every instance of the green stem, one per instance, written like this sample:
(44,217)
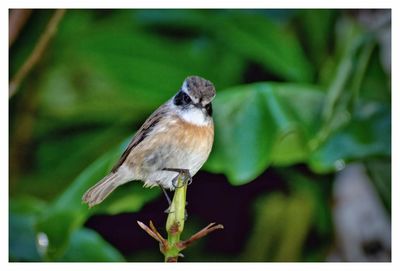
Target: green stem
(172,247)
(176,221)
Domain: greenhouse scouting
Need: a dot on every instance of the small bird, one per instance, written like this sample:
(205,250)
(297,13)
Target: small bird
(176,139)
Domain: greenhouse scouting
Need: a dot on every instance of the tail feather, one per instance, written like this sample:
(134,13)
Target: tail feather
(97,193)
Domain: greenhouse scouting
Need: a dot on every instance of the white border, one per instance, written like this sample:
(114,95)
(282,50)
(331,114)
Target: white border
(199,4)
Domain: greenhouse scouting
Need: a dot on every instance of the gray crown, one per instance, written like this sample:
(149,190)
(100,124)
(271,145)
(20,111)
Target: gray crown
(200,89)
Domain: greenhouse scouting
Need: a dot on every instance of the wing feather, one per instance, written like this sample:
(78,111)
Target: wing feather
(142,133)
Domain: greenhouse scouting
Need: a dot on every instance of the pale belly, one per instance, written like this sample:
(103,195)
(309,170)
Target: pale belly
(167,158)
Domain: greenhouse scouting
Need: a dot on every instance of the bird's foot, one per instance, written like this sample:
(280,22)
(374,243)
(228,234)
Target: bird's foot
(187,178)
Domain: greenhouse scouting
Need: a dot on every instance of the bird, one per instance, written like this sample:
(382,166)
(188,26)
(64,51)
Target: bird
(175,139)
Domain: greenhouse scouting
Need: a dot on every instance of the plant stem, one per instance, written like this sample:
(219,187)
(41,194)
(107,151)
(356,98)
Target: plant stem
(172,247)
(17,21)
(37,52)
(176,221)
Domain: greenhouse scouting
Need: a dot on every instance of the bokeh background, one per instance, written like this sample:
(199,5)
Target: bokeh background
(301,165)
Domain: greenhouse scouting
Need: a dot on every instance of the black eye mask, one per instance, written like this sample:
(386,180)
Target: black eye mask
(182,99)
(209,109)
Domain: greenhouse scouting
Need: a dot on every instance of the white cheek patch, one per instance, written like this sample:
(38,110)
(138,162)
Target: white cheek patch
(194,116)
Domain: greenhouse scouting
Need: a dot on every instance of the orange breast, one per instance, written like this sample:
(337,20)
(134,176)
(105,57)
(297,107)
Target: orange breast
(178,138)
(194,137)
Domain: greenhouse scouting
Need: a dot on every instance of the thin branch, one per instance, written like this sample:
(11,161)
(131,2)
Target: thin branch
(17,20)
(149,231)
(37,52)
(163,242)
(200,234)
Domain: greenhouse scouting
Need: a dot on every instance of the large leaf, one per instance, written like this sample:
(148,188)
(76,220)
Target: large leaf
(22,245)
(82,148)
(269,123)
(260,124)
(264,42)
(367,135)
(22,218)
(245,123)
(88,246)
(27,244)
(68,213)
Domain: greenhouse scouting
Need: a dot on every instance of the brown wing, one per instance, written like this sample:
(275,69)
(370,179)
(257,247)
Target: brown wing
(142,133)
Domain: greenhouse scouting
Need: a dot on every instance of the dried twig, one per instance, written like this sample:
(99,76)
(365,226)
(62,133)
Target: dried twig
(37,52)
(17,20)
(150,231)
(200,234)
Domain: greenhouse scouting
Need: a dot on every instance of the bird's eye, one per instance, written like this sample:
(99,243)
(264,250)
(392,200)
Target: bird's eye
(186,98)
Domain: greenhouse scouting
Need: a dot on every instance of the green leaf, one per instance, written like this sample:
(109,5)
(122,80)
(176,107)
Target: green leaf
(88,246)
(189,20)
(273,237)
(26,205)
(289,150)
(381,175)
(318,188)
(367,135)
(92,69)
(241,121)
(51,149)
(376,84)
(22,238)
(257,125)
(56,227)
(129,198)
(68,213)
(260,124)
(299,212)
(296,126)
(261,40)
(317,26)
(266,229)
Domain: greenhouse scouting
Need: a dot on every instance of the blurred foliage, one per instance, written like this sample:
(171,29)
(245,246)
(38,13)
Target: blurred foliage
(294,87)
